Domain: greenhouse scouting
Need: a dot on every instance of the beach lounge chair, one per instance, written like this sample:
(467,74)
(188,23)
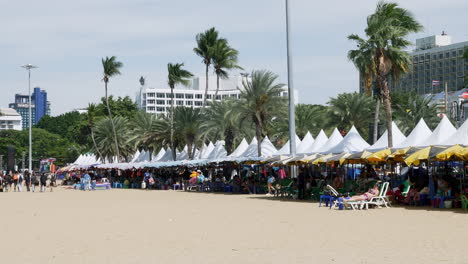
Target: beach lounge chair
(379,200)
(330,197)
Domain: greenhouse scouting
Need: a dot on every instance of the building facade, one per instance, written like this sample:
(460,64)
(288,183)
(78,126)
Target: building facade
(39,106)
(10,119)
(158,100)
(435,58)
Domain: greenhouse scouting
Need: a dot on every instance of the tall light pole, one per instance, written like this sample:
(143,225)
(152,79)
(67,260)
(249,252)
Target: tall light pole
(292,115)
(28,67)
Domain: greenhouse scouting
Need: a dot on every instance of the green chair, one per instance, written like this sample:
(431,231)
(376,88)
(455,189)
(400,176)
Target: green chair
(464,202)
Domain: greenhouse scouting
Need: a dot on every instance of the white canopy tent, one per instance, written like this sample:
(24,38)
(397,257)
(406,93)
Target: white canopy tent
(417,137)
(334,140)
(306,143)
(167,156)
(397,136)
(219,152)
(459,137)
(319,142)
(159,155)
(240,149)
(183,155)
(285,150)
(208,150)
(352,142)
(444,130)
(250,149)
(135,156)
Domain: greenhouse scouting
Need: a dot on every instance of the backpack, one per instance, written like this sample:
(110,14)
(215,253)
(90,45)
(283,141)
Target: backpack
(15,177)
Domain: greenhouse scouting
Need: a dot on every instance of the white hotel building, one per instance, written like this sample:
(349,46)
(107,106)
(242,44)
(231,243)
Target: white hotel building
(10,119)
(158,100)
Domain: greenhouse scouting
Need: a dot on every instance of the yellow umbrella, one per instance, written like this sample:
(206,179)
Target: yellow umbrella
(378,156)
(358,158)
(320,159)
(455,152)
(336,158)
(416,157)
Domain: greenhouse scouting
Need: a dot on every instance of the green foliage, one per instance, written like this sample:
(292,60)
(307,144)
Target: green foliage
(45,145)
(123,106)
(409,108)
(105,139)
(70,125)
(177,75)
(111,67)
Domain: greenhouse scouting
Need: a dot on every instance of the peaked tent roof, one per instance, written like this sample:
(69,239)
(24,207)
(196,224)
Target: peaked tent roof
(202,150)
(167,156)
(135,156)
(183,155)
(319,141)
(352,142)
(240,149)
(285,150)
(444,130)
(267,148)
(332,141)
(218,152)
(382,143)
(159,155)
(419,134)
(144,156)
(459,137)
(252,148)
(206,153)
(306,143)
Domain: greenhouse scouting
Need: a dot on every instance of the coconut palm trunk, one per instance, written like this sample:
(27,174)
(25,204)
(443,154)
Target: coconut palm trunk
(112,122)
(258,134)
(206,87)
(388,107)
(376,120)
(217,88)
(172,125)
(94,143)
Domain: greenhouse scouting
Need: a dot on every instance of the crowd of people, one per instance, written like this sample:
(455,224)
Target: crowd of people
(18,181)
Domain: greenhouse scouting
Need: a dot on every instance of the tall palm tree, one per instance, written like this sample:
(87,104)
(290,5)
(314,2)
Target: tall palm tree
(176,76)
(90,122)
(386,30)
(224,59)
(111,68)
(105,139)
(261,101)
(187,123)
(205,43)
(145,132)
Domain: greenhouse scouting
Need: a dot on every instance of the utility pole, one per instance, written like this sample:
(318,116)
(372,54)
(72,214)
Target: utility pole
(28,67)
(23,161)
(292,115)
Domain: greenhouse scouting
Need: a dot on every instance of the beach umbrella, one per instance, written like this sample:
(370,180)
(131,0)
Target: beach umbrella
(378,156)
(455,152)
(423,154)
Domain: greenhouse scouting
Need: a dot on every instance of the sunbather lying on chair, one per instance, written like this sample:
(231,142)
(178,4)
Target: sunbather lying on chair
(365,196)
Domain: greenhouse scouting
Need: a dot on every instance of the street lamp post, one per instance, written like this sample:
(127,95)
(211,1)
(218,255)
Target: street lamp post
(292,116)
(28,67)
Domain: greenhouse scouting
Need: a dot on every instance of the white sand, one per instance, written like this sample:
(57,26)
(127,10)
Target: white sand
(133,226)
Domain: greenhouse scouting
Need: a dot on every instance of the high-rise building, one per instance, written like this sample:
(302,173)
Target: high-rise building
(435,58)
(158,100)
(39,106)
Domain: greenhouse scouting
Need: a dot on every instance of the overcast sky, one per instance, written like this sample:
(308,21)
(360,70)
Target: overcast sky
(67,40)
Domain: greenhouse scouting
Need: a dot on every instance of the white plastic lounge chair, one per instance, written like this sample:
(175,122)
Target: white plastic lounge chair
(380,199)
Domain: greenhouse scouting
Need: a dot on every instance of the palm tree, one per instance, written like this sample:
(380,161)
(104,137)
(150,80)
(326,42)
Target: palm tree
(176,76)
(348,109)
(205,43)
(386,30)
(363,60)
(222,121)
(187,123)
(145,131)
(105,140)
(90,122)
(224,59)
(409,108)
(111,68)
(261,101)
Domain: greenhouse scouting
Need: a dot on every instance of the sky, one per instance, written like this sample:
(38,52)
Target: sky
(67,40)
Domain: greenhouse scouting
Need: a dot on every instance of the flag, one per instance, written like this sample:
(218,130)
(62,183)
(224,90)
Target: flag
(434,82)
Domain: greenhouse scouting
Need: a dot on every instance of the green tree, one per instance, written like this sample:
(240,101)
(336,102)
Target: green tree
(145,134)
(386,30)
(348,109)
(224,59)
(70,125)
(409,108)
(105,139)
(187,123)
(176,76)
(90,122)
(121,106)
(111,67)
(205,43)
(261,101)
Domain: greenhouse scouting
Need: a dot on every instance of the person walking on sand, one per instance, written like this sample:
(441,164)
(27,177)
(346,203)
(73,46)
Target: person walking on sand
(34,182)
(43,182)
(27,180)
(19,182)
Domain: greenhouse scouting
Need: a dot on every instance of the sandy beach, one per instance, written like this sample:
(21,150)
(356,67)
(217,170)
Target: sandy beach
(134,226)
